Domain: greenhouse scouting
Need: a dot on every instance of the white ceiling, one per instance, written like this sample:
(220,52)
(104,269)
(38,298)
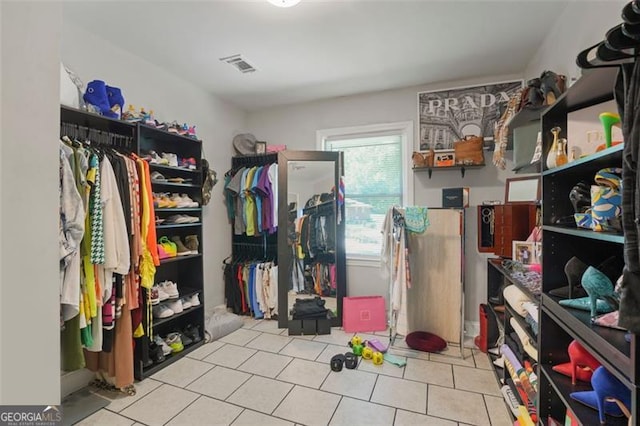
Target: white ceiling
(321,49)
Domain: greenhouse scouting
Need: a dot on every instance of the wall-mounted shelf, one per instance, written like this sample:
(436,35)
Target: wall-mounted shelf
(462,168)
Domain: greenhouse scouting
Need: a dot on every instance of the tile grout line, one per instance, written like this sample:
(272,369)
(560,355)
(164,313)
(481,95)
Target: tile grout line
(281,401)
(335,410)
(486,409)
(179,412)
(373,388)
(142,397)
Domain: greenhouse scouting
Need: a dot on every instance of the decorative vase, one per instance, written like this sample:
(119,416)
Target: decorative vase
(551,155)
(608,120)
(561,152)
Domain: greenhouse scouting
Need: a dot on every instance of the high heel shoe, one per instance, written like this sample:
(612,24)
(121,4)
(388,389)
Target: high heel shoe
(609,395)
(608,120)
(552,85)
(598,286)
(581,366)
(573,269)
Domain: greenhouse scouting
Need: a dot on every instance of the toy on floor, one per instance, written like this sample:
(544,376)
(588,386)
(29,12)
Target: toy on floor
(377,358)
(376,345)
(367,353)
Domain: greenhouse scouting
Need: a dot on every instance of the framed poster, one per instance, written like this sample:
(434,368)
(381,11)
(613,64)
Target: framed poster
(447,116)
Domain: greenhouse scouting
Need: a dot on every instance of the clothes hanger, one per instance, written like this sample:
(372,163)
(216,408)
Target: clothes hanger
(615,39)
(631,30)
(629,13)
(601,56)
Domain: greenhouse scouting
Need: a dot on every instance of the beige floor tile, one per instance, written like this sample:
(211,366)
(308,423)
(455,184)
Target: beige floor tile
(386,368)
(498,413)
(353,383)
(269,342)
(206,411)
(159,406)
(121,401)
(457,405)
(354,412)
(260,394)
(407,418)
(230,356)
(482,360)
(318,406)
(265,364)
(451,355)
(249,322)
(436,373)
(305,373)
(240,337)
(105,418)
(252,418)
(206,350)
(219,383)
(268,326)
(285,332)
(401,393)
(300,348)
(408,353)
(475,380)
(331,350)
(182,372)
(337,337)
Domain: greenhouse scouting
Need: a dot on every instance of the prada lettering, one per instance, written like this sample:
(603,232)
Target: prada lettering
(466,102)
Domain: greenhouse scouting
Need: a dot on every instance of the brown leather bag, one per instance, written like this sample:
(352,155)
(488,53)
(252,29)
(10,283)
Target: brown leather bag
(422,159)
(469,150)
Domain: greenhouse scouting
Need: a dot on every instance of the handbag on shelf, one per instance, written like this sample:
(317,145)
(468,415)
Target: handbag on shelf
(422,158)
(469,151)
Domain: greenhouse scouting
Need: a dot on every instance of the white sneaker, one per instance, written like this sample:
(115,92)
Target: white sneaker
(195,300)
(170,288)
(162,311)
(186,302)
(188,201)
(175,306)
(171,158)
(162,294)
(166,350)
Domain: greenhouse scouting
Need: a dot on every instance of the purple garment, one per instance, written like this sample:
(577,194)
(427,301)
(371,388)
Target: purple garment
(264,190)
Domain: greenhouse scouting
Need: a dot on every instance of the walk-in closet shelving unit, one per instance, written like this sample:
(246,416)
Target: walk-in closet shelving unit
(498,278)
(560,325)
(187,270)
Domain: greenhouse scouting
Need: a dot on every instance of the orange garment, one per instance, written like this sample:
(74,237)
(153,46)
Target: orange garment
(151,226)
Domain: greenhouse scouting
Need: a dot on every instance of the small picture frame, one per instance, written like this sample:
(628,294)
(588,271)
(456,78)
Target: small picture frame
(261,147)
(444,158)
(526,252)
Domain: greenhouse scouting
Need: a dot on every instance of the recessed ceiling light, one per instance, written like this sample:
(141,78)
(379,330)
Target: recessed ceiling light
(284,3)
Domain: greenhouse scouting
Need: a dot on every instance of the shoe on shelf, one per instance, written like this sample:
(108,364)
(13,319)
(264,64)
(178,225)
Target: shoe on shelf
(173,127)
(154,158)
(148,119)
(182,250)
(192,132)
(162,253)
(155,353)
(186,340)
(159,221)
(154,296)
(174,341)
(175,305)
(193,332)
(130,115)
(162,294)
(183,130)
(158,177)
(166,350)
(186,302)
(162,311)
(195,300)
(170,288)
(171,158)
(182,219)
(179,180)
(188,202)
(191,242)
(169,247)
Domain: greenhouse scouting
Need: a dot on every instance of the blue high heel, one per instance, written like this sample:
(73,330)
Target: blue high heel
(598,286)
(609,395)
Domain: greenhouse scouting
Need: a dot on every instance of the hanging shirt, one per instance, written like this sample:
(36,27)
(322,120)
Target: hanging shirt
(273,179)
(234,189)
(250,203)
(258,198)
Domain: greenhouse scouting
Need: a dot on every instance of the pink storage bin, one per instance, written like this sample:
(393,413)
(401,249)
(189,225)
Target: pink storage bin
(364,313)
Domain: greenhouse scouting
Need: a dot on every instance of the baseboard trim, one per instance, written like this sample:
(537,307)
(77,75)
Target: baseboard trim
(471,329)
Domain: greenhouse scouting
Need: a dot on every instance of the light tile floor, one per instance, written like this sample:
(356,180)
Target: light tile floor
(259,375)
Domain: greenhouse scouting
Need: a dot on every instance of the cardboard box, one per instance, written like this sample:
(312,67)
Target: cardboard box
(455,197)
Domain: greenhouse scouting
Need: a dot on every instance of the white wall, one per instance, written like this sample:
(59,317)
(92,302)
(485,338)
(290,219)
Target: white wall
(29,286)
(580,25)
(171,98)
(296,126)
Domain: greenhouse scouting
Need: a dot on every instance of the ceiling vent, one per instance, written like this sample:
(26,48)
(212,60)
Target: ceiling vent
(240,64)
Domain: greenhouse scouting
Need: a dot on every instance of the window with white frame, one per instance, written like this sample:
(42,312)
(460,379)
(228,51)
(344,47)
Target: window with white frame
(376,159)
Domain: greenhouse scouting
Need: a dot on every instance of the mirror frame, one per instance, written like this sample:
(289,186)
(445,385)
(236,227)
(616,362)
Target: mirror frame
(284,254)
(507,187)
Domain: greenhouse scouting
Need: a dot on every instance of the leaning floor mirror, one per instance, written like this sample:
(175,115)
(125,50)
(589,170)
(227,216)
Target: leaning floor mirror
(311,251)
